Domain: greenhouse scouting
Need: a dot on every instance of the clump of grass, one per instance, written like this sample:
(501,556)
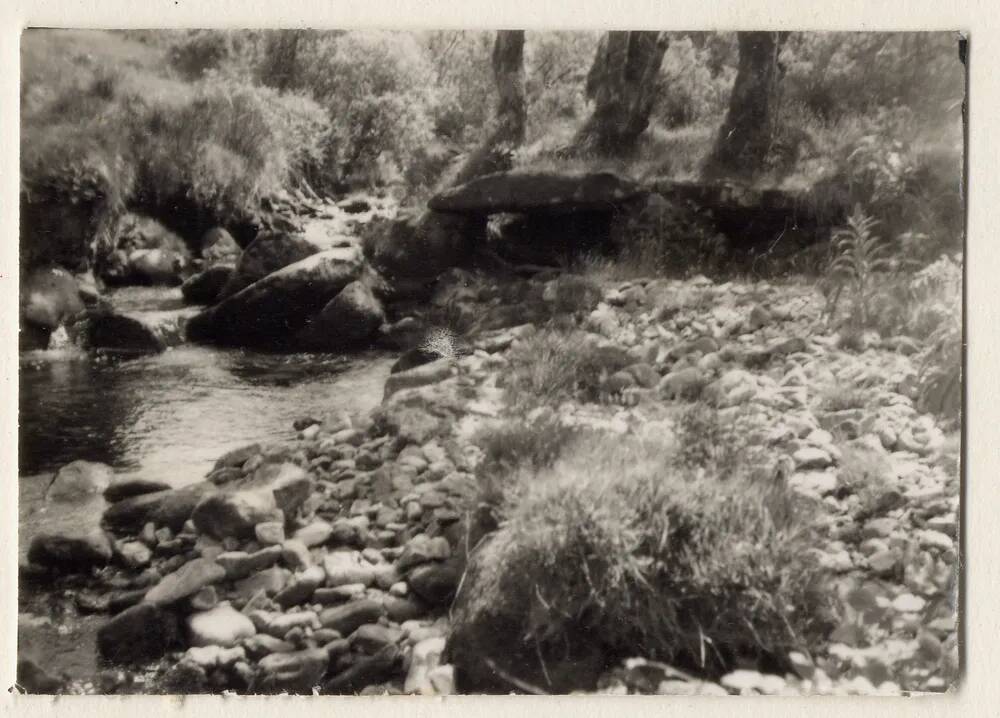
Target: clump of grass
(518,443)
(613,547)
(721,447)
(554,365)
(865,472)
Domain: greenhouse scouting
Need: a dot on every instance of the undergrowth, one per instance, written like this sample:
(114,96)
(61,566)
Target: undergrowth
(614,543)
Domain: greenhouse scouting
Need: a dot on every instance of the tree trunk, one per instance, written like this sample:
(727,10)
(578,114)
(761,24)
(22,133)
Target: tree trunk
(622,83)
(508,70)
(745,137)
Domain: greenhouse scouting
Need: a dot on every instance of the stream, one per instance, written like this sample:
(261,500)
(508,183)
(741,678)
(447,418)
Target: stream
(166,417)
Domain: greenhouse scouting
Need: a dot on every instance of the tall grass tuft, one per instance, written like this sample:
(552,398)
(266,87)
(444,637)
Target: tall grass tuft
(616,547)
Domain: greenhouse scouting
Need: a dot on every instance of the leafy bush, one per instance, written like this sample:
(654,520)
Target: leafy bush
(375,87)
(695,90)
(141,138)
(612,545)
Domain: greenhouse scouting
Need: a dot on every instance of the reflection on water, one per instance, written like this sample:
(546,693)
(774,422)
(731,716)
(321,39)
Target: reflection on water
(169,416)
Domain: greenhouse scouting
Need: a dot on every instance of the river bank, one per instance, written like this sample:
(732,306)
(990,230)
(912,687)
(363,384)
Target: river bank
(332,559)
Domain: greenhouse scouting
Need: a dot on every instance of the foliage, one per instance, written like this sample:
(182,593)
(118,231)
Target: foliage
(613,544)
(859,257)
(695,86)
(376,88)
(220,142)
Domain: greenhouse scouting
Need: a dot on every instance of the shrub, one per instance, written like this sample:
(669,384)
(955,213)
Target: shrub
(611,547)
(376,88)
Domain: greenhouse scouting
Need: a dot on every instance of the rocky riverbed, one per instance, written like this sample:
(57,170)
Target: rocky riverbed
(330,561)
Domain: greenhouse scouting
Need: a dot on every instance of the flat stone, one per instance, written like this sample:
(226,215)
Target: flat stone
(346,619)
(315,534)
(270,533)
(185,581)
(343,567)
(125,488)
(78,480)
(240,564)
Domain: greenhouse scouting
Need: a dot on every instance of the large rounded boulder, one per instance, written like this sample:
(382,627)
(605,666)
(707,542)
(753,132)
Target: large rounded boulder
(268,253)
(270,311)
(347,321)
(50,296)
(413,249)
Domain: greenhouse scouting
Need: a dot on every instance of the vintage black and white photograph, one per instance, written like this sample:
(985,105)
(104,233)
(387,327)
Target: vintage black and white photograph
(437,362)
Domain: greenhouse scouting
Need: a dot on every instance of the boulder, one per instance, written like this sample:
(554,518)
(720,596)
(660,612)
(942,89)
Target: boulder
(219,626)
(49,297)
(347,321)
(268,253)
(150,334)
(141,633)
(163,508)
(413,249)
(234,514)
(206,286)
(547,192)
(70,552)
(219,247)
(185,581)
(272,309)
(78,480)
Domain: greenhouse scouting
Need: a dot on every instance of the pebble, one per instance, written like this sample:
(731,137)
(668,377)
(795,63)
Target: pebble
(219,626)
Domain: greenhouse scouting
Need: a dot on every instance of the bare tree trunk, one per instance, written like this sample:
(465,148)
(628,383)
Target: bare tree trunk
(508,70)
(748,129)
(622,83)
